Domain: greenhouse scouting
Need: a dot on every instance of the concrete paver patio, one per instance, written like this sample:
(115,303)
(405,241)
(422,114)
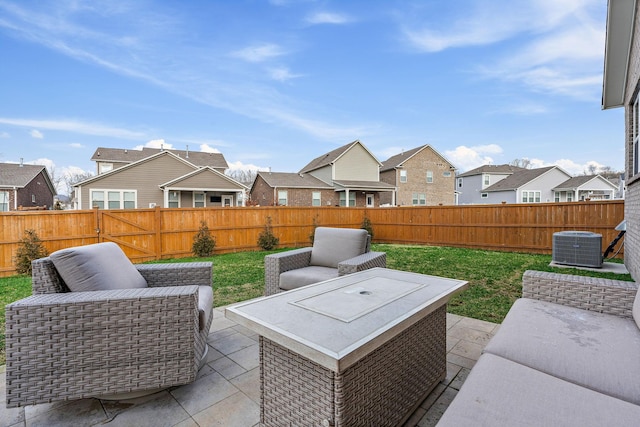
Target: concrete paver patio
(227,391)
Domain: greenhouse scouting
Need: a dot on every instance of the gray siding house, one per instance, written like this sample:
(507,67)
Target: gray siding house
(162,179)
(579,188)
(526,186)
(621,88)
(470,185)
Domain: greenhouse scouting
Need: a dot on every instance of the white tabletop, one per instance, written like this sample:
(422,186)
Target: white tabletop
(337,322)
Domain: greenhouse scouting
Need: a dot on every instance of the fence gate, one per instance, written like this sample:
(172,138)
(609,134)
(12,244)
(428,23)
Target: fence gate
(137,233)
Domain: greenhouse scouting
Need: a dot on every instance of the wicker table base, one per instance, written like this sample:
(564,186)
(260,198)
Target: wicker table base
(382,389)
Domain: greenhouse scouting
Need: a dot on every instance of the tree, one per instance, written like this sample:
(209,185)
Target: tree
(521,163)
(72,178)
(203,242)
(30,248)
(245,177)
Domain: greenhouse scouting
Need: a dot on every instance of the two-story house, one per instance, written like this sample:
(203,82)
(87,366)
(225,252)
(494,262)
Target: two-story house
(25,187)
(517,186)
(131,179)
(470,185)
(621,88)
(422,176)
(346,176)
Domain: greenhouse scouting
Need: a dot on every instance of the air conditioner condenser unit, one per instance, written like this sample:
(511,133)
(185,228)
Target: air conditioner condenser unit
(579,248)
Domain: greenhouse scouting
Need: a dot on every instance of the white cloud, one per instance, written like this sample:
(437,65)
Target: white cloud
(245,166)
(466,158)
(282,74)
(206,148)
(86,128)
(155,143)
(328,18)
(259,53)
(36,134)
(76,145)
(5,135)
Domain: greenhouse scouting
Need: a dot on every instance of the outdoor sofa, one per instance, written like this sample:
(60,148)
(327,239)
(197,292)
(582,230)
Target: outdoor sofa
(567,354)
(99,326)
(335,252)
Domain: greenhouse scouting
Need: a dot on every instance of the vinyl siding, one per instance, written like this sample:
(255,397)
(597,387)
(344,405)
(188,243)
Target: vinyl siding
(356,164)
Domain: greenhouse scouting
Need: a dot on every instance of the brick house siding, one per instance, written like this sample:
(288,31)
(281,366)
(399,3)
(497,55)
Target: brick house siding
(262,194)
(35,193)
(632,198)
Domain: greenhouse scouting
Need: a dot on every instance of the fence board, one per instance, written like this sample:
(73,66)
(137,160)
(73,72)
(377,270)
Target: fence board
(147,234)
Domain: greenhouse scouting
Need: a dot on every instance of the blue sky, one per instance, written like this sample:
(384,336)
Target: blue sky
(278,83)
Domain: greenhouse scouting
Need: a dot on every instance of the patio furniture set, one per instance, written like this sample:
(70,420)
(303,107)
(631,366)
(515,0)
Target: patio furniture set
(349,343)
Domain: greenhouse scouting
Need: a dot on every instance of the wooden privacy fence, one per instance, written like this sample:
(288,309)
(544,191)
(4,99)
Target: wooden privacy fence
(149,234)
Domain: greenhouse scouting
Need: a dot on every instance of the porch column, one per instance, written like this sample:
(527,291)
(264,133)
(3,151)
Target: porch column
(346,196)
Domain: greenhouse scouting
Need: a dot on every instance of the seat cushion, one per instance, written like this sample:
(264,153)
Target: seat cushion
(305,276)
(594,350)
(205,305)
(97,267)
(499,392)
(333,245)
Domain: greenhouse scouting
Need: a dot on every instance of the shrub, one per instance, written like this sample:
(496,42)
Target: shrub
(30,248)
(203,242)
(266,239)
(366,225)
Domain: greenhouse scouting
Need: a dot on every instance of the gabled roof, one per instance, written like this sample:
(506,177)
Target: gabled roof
(518,179)
(579,181)
(620,19)
(292,180)
(134,164)
(19,176)
(399,159)
(495,169)
(331,157)
(123,155)
(199,171)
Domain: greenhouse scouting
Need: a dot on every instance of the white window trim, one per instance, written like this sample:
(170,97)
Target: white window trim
(484,195)
(429,177)
(460,181)
(105,194)
(286,197)
(343,199)
(179,197)
(486,180)
(526,193)
(403,175)
(314,198)
(419,199)
(204,199)
(6,196)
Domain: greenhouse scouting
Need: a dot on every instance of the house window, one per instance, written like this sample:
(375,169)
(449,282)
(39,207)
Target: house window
(282,198)
(459,182)
(4,201)
(530,197)
(115,199)
(198,200)
(486,180)
(315,198)
(403,176)
(446,174)
(343,198)
(484,195)
(556,197)
(569,196)
(429,177)
(174,199)
(33,198)
(419,199)
(104,167)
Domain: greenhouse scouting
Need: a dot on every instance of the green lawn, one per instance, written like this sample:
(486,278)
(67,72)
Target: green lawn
(495,278)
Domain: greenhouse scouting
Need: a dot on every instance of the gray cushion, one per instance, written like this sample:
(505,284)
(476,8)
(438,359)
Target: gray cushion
(499,392)
(205,304)
(98,267)
(598,351)
(636,308)
(333,245)
(305,276)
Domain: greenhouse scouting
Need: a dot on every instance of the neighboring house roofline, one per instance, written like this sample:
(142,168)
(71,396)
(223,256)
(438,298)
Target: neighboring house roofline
(363,185)
(131,165)
(504,169)
(125,155)
(521,178)
(334,155)
(292,180)
(398,160)
(619,35)
(578,181)
(18,175)
(198,171)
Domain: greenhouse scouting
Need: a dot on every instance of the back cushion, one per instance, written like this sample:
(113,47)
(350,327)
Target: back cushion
(98,267)
(636,309)
(334,245)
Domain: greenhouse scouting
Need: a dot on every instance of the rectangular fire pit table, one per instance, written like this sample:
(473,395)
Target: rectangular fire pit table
(361,349)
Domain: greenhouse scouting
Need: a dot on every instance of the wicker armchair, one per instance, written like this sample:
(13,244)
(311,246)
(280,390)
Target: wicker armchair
(63,345)
(335,252)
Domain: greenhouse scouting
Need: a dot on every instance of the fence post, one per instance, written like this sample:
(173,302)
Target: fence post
(157,223)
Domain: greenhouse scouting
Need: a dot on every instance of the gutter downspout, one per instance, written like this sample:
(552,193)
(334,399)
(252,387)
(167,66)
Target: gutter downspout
(15,198)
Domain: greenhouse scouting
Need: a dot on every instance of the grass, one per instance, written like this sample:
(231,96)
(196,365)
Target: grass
(495,278)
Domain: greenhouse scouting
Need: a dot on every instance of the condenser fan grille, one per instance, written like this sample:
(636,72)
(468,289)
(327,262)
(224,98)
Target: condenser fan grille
(579,248)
